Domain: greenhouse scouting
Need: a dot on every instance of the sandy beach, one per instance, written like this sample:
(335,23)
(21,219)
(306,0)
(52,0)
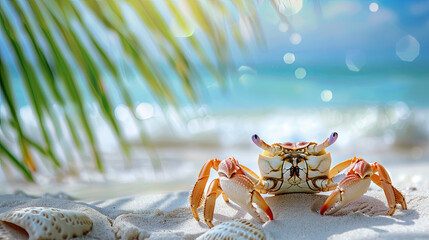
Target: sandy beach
(167,216)
(134,211)
(161,210)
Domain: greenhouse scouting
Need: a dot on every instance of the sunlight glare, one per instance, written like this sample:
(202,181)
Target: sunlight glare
(295,38)
(326,95)
(373,7)
(300,73)
(247,74)
(122,113)
(289,7)
(407,48)
(355,60)
(289,58)
(283,27)
(144,111)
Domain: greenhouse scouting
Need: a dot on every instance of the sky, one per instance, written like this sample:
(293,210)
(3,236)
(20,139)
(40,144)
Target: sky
(331,30)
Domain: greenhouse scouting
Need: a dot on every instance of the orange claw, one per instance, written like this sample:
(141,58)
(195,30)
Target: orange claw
(354,185)
(393,196)
(260,202)
(349,189)
(234,183)
(196,198)
(240,190)
(333,198)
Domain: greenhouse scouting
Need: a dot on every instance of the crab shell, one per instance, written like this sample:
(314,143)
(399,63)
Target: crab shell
(295,167)
(294,146)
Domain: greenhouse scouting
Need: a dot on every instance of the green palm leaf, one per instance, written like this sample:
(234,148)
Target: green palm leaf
(61,61)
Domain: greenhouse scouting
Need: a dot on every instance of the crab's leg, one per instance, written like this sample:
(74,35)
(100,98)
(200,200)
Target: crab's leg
(196,197)
(225,198)
(393,196)
(339,167)
(351,187)
(248,170)
(212,194)
(335,175)
(261,185)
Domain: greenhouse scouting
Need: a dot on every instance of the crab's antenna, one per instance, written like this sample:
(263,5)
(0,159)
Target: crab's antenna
(260,143)
(328,142)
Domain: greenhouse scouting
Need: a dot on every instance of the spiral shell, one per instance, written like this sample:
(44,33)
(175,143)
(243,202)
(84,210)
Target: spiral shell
(43,223)
(240,229)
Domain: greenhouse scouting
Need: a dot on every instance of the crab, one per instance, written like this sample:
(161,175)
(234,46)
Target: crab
(302,167)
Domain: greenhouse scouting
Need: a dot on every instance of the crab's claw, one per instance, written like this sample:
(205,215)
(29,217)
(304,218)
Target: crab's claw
(234,185)
(241,190)
(351,187)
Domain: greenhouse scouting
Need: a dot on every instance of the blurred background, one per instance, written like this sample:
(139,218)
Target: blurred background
(103,99)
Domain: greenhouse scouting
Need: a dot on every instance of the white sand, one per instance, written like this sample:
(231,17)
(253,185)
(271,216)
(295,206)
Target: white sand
(167,216)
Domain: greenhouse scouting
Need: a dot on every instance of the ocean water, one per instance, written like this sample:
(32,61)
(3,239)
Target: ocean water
(277,86)
(381,113)
(389,109)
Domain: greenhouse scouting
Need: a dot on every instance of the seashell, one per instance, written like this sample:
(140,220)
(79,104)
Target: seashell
(43,223)
(237,229)
(9,232)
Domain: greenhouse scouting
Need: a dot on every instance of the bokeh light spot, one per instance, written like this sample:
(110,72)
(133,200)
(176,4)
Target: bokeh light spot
(122,113)
(326,95)
(247,70)
(247,74)
(295,38)
(300,73)
(144,111)
(407,48)
(373,7)
(289,58)
(289,7)
(355,60)
(283,27)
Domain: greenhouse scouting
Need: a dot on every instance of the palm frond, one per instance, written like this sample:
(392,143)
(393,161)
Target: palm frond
(61,60)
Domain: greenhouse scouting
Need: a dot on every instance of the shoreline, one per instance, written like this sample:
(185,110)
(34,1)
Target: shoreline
(405,174)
